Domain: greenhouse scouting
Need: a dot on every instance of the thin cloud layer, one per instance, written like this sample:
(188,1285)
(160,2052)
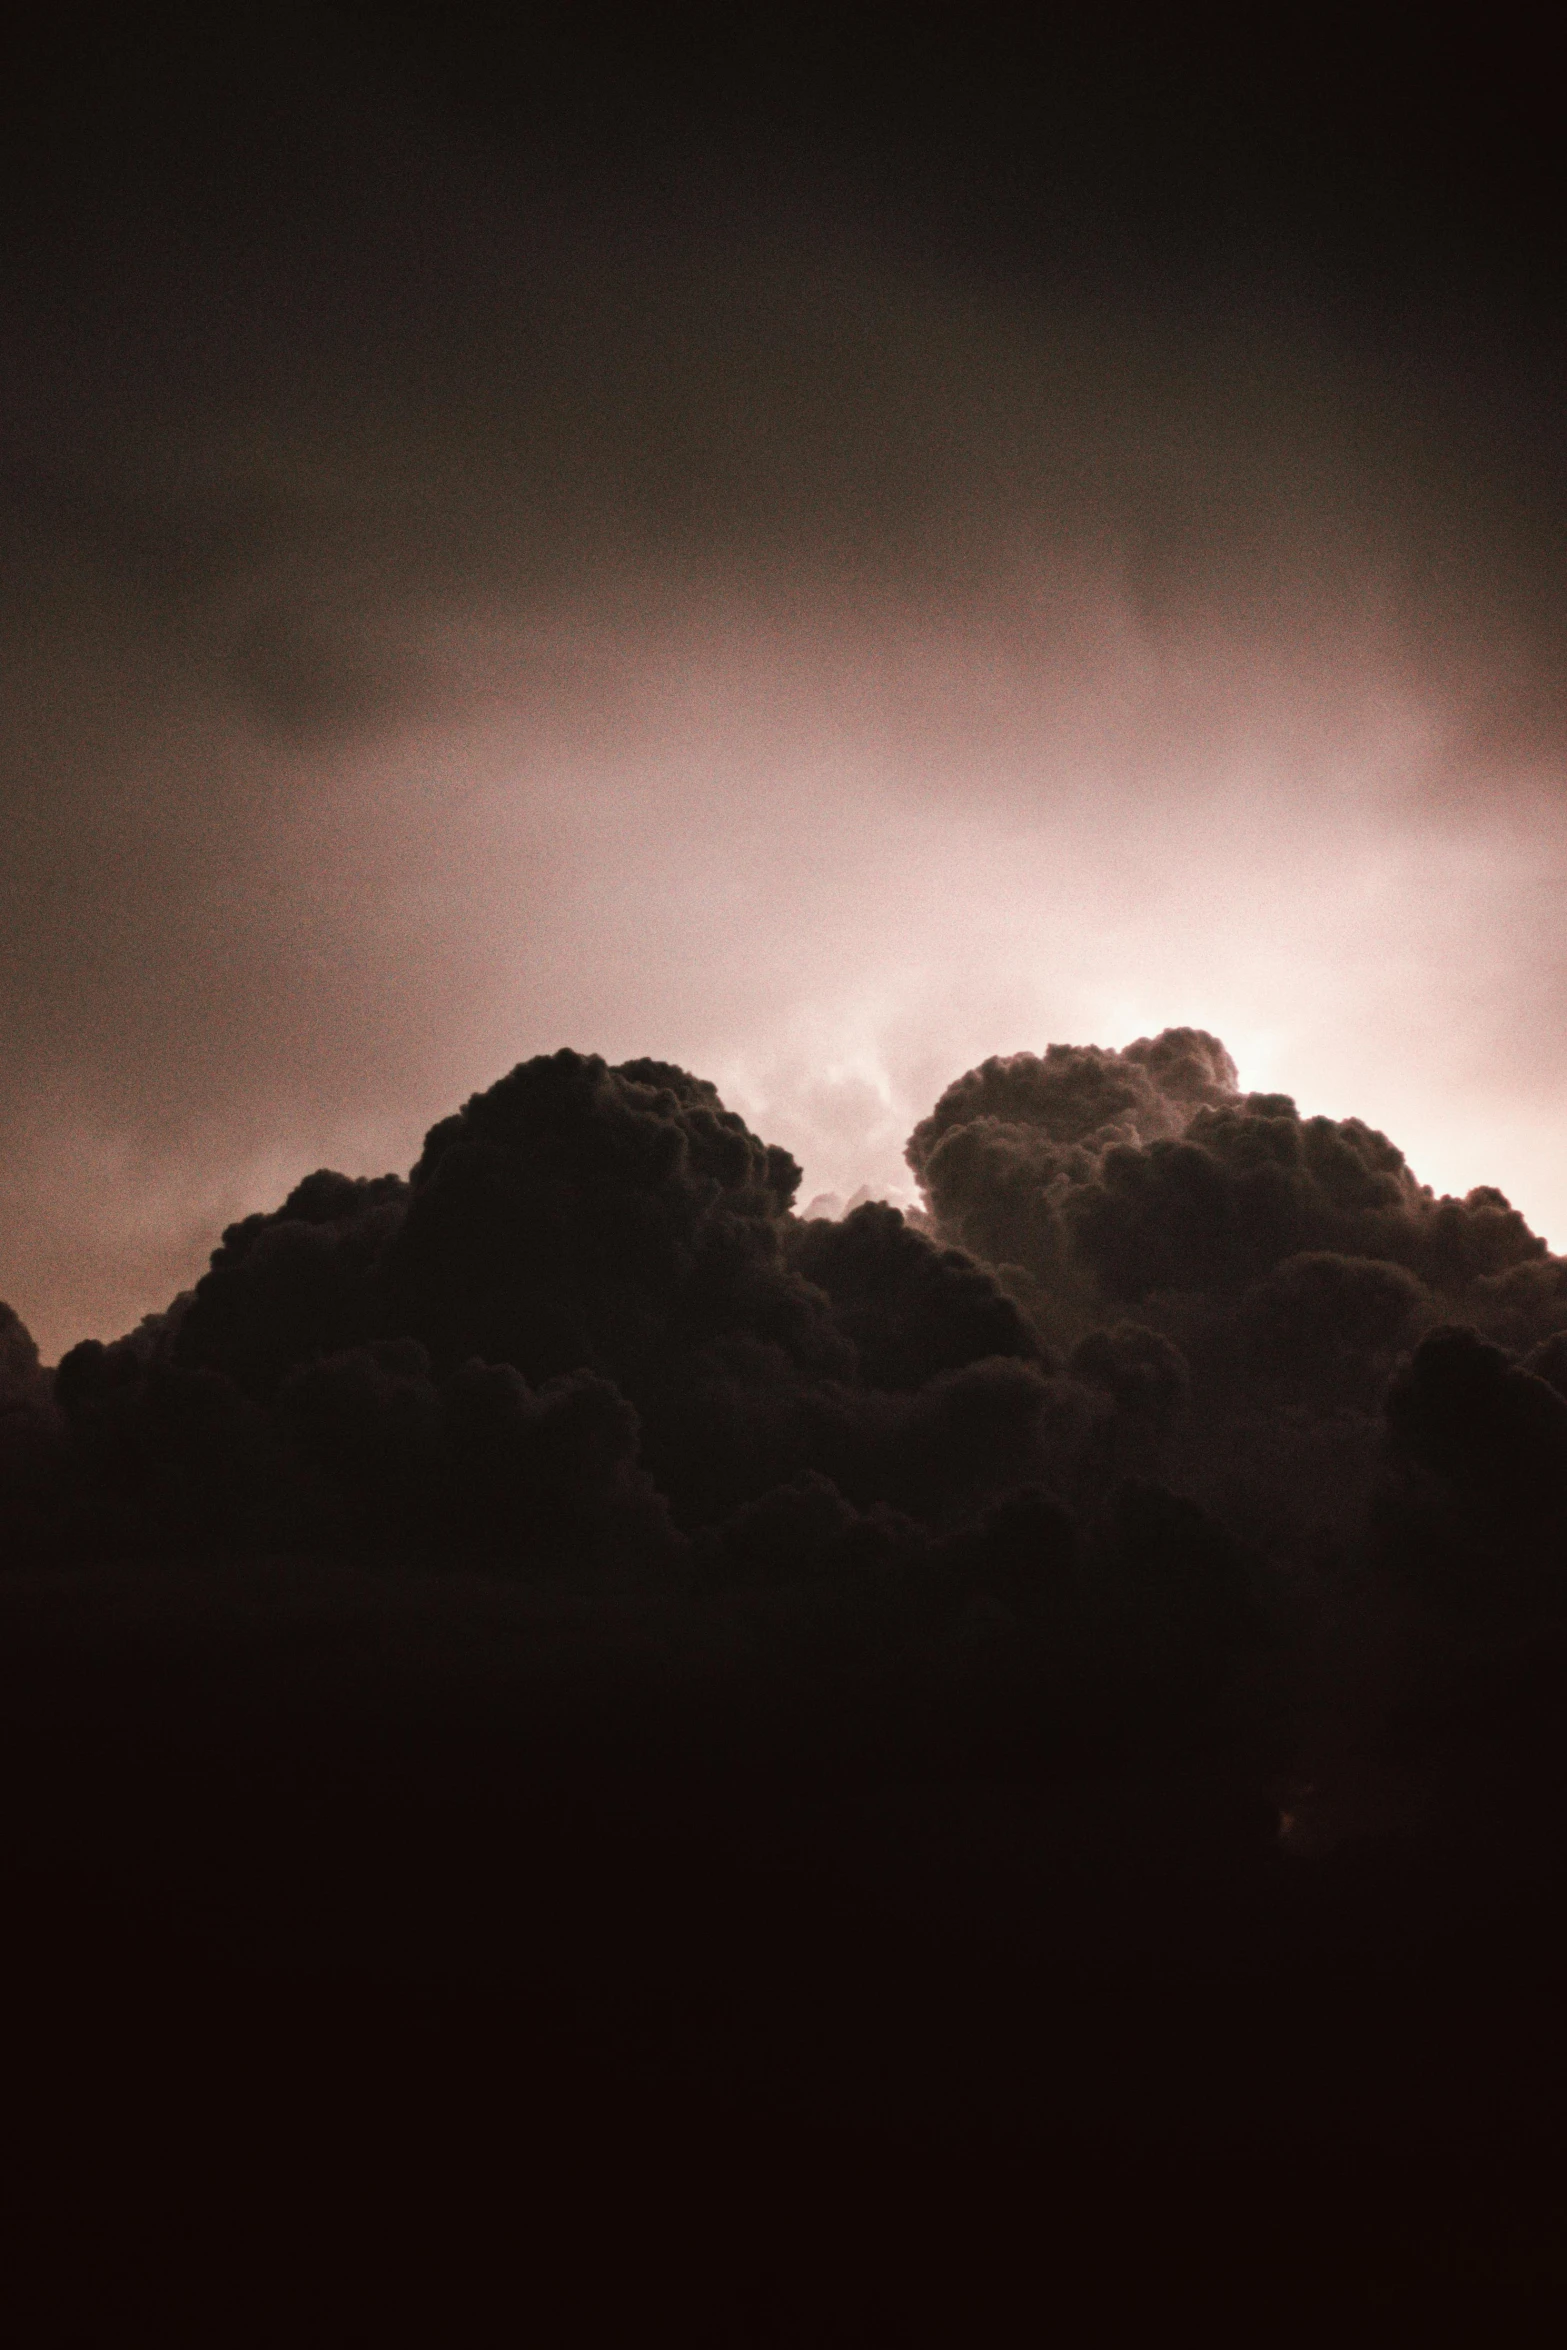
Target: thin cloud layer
(467,610)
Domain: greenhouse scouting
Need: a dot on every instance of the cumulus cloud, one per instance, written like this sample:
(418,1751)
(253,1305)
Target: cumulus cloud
(1171,1342)
(1115,1177)
(1178,1441)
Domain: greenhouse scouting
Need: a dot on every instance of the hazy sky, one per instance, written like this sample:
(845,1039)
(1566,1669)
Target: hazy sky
(814,569)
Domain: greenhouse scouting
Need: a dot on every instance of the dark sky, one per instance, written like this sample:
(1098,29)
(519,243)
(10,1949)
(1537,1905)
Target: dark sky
(817,547)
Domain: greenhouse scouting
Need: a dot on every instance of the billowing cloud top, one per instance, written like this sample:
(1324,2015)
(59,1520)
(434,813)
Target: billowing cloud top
(589,1337)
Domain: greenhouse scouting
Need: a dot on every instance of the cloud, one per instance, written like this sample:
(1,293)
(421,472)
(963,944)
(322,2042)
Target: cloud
(589,1342)
(457,608)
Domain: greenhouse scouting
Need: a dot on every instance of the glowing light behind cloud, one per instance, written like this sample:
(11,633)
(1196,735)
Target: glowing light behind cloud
(785,659)
(832,895)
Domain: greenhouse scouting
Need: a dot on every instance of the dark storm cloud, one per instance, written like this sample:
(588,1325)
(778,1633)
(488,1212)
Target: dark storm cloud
(1283,1489)
(911,1311)
(590,1329)
(591,1293)
(1147,1171)
(1288,1263)
(590,1267)
(576,1492)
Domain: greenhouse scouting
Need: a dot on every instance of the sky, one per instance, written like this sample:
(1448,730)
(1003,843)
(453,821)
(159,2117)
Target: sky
(818,552)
